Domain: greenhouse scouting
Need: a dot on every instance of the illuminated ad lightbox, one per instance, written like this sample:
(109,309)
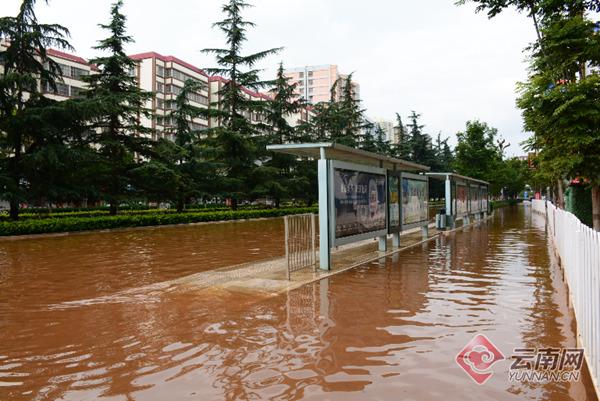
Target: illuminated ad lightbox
(460,201)
(359,202)
(484,199)
(474,198)
(394,202)
(414,194)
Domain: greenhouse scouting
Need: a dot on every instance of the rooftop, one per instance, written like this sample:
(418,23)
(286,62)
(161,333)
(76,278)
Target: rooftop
(337,151)
(142,56)
(442,176)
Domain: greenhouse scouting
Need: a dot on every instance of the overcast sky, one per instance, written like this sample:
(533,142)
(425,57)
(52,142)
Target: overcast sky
(441,60)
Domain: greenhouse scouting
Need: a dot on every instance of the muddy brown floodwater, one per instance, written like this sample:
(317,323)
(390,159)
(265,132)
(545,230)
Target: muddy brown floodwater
(389,330)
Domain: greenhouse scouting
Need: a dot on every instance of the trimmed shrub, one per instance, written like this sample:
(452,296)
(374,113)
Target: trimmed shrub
(68,224)
(36,213)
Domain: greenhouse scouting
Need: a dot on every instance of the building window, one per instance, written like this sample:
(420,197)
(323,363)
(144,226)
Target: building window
(61,89)
(160,87)
(160,71)
(160,103)
(77,73)
(173,89)
(301,75)
(198,98)
(300,83)
(310,90)
(77,92)
(310,82)
(310,73)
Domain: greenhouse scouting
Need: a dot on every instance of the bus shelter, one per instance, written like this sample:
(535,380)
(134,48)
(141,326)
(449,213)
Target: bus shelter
(465,198)
(363,195)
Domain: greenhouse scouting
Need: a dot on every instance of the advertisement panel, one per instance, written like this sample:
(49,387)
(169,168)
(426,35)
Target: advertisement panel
(359,201)
(474,198)
(414,201)
(461,199)
(394,203)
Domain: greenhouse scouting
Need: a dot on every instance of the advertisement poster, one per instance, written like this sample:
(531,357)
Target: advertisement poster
(414,201)
(474,198)
(484,199)
(360,202)
(461,199)
(394,201)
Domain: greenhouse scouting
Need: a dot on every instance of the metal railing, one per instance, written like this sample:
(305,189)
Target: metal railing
(300,240)
(578,247)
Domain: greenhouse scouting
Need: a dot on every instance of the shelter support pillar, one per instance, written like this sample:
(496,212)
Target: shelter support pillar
(324,218)
(448,197)
(383,243)
(425,232)
(396,240)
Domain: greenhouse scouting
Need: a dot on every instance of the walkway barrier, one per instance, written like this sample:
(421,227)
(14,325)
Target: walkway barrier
(300,239)
(578,247)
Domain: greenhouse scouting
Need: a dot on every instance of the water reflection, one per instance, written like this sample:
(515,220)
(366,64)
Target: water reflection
(386,330)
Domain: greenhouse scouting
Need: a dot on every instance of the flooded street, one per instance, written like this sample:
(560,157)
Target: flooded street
(388,330)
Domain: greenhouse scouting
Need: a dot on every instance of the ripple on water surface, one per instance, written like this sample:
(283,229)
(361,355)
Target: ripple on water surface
(386,330)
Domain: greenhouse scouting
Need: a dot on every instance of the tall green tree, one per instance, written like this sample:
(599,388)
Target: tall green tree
(560,99)
(402,149)
(420,143)
(477,154)
(444,158)
(25,61)
(236,140)
(180,168)
(277,175)
(117,131)
(350,115)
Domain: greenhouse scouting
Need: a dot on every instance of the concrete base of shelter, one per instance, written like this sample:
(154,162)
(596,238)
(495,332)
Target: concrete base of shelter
(269,277)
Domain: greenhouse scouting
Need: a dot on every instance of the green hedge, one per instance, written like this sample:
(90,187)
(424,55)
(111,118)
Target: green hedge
(68,224)
(35,213)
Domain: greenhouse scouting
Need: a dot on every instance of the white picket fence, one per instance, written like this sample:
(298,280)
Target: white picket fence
(578,247)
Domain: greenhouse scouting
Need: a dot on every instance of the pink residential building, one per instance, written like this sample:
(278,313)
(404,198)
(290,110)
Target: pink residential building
(165,76)
(315,82)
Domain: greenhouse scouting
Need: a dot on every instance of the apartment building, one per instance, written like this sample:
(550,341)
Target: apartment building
(314,83)
(216,86)
(387,127)
(165,76)
(73,68)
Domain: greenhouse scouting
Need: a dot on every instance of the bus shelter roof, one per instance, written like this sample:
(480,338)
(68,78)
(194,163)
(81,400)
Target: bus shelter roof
(335,151)
(442,176)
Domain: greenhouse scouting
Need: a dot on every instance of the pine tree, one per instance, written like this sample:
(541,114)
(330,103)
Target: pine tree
(347,121)
(236,141)
(118,133)
(276,176)
(420,143)
(179,169)
(402,149)
(25,61)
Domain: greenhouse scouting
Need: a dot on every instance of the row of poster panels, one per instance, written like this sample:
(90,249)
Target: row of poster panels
(408,201)
(368,202)
(469,198)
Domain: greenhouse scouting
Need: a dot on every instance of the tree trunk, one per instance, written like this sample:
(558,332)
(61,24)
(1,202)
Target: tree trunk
(560,195)
(113,208)
(277,202)
(180,204)
(596,207)
(14,210)
(234,203)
